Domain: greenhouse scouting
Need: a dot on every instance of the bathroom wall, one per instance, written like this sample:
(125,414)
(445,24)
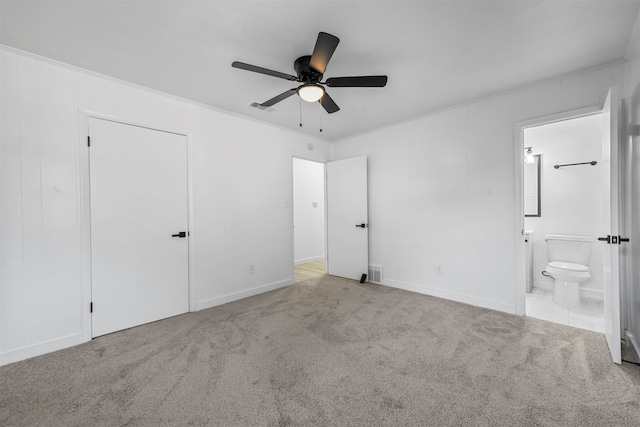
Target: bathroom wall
(571,197)
(308,211)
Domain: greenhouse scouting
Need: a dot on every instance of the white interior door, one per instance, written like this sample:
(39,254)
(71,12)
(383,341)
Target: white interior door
(347,221)
(138,181)
(610,224)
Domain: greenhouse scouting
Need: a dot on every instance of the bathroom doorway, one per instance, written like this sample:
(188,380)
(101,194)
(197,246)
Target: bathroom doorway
(562,192)
(309,237)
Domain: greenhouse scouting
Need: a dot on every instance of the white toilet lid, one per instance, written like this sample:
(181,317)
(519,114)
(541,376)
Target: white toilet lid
(568,266)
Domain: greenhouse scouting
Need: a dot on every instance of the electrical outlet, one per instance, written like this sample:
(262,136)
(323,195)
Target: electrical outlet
(251,268)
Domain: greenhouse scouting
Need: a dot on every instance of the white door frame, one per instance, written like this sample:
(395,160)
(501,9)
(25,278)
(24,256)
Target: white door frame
(519,127)
(84,206)
(326,249)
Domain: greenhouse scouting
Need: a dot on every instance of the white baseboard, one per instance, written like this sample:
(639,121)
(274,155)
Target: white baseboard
(39,349)
(213,302)
(544,284)
(592,293)
(311,259)
(585,292)
(466,299)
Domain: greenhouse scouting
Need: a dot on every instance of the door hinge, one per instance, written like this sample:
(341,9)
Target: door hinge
(88,141)
(91,307)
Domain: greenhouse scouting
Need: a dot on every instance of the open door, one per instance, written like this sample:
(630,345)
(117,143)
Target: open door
(347,222)
(610,224)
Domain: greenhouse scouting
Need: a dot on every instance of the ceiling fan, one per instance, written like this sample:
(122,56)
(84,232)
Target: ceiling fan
(309,70)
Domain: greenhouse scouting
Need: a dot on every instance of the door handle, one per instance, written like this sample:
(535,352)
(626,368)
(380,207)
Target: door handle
(623,239)
(362,225)
(180,234)
(605,239)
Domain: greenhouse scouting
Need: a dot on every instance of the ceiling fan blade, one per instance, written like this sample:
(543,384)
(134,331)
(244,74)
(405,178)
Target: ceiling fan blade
(279,98)
(261,70)
(360,81)
(325,46)
(328,103)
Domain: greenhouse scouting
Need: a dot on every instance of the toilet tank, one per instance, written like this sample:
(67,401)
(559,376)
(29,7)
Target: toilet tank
(564,248)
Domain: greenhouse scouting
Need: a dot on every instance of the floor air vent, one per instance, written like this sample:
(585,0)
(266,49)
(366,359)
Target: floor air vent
(375,274)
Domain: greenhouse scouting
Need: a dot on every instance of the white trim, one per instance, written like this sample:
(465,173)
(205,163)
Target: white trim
(453,296)
(584,292)
(519,127)
(23,353)
(592,293)
(224,299)
(520,285)
(548,285)
(90,73)
(311,259)
(84,204)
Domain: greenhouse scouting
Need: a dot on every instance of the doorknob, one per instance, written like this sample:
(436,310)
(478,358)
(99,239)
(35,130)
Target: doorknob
(180,234)
(605,239)
(361,225)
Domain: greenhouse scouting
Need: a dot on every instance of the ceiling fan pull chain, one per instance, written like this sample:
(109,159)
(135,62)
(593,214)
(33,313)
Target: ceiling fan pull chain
(300,112)
(320,122)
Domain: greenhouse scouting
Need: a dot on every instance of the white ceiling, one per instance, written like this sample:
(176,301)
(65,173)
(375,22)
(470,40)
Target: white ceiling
(436,53)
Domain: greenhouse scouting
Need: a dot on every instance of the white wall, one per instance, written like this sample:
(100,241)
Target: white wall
(630,165)
(308,211)
(242,197)
(442,190)
(571,197)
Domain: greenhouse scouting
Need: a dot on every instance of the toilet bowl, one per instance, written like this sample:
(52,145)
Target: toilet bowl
(568,266)
(567,277)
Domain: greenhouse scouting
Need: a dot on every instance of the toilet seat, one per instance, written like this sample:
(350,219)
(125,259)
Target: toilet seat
(568,266)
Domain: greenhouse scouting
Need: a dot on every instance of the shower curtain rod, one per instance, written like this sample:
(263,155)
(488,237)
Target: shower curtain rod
(592,163)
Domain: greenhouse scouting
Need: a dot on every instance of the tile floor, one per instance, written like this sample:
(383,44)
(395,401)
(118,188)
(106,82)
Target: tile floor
(590,314)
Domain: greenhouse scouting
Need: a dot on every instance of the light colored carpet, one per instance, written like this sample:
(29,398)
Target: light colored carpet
(329,352)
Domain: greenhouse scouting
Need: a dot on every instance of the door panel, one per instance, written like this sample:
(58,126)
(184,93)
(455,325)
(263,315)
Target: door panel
(138,181)
(610,223)
(347,244)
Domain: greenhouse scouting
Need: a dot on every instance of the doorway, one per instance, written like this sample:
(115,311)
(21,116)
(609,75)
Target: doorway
(563,189)
(309,225)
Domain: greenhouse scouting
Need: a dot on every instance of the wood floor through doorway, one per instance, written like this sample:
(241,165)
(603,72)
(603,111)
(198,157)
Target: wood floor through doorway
(309,270)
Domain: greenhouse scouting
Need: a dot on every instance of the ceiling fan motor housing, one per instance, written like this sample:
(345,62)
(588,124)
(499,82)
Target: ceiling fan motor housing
(304,71)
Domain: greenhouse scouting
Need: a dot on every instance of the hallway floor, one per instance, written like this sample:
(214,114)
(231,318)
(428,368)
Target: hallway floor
(309,270)
(589,316)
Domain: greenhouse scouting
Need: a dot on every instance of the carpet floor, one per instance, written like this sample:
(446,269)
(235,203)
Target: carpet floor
(329,352)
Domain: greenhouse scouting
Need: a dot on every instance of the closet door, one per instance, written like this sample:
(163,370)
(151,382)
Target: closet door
(139,225)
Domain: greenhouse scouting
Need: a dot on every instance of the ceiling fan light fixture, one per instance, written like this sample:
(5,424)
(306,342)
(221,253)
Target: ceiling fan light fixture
(311,92)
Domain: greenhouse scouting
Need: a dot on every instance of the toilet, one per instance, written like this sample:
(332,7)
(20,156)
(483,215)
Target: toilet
(568,266)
